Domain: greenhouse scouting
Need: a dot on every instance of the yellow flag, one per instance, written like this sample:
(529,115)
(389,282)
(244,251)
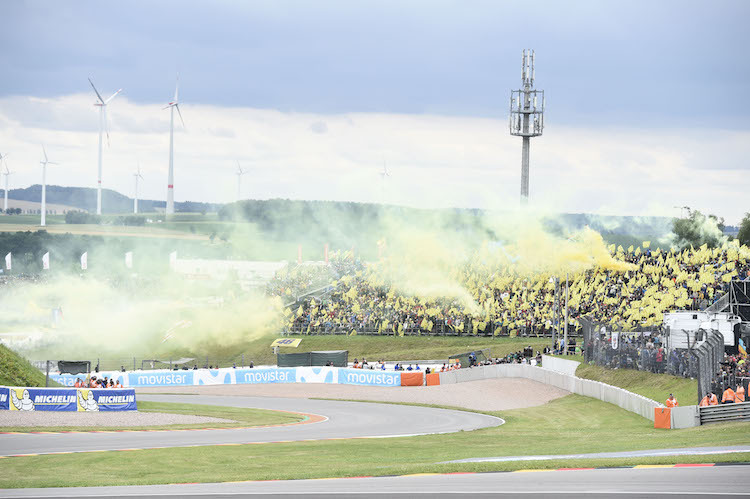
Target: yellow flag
(646,244)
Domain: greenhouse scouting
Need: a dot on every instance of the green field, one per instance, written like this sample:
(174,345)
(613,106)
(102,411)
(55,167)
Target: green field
(654,386)
(572,424)
(373,348)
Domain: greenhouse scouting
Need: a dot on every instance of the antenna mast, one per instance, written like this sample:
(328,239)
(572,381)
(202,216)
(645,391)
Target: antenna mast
(526,116)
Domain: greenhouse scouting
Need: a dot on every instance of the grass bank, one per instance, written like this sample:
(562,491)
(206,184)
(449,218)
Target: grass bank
(572,424)
(654,386)
(258,349)
(17,371)
(237,418)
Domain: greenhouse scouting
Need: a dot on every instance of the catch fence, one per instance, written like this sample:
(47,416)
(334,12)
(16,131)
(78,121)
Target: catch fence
(439,327)
(173,363)
(651,350)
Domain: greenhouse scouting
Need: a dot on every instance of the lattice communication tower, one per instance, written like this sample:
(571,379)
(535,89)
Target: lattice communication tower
(526,116)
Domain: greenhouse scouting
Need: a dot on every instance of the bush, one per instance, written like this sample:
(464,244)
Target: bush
(81,217)
(131,220)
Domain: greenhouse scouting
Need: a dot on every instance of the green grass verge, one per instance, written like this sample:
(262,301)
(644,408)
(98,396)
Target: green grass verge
(572,424)
(654,386)
(370,347)
(17,371)
(238,417)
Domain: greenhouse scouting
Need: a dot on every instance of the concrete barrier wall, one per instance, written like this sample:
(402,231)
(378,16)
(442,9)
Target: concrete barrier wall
(601,391)
(560,365)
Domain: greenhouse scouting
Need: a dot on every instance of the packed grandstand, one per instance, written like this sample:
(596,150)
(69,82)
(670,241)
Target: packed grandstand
(630,287)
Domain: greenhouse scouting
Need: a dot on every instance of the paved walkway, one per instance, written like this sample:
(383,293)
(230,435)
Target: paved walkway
(687,451)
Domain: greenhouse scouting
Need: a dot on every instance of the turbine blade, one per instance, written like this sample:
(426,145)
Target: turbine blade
(113,96)
(97,92)
(45,152)
(177,88)
(178,112)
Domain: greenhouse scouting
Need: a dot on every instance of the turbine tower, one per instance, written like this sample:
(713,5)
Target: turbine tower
(385,173)
(44,164)
(137,176)
(102,104)
(170,177)
(240,172)
(7,174)
(526,116)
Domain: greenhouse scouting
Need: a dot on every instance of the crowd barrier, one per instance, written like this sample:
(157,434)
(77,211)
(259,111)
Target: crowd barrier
(622,398)
(132,379)
(66,399)
(241,376)
(560,365)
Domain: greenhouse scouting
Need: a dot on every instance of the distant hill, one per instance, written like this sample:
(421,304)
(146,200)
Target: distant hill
(331,219)
(84,198)
(285,215)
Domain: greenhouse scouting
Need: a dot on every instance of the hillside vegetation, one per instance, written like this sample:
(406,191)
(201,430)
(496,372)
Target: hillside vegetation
(654,386)
(17,371)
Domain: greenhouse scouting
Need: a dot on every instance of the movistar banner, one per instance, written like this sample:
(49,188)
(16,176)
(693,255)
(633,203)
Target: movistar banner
(269,375)
(369,377)
(160,378)
(70,379)
(241,376)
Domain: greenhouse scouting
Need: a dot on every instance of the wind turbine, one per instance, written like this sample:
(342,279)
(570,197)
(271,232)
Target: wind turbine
(44,164)
(102,129)
(7,174)
(175,104)
(240,172)
(137,176)
(383,174)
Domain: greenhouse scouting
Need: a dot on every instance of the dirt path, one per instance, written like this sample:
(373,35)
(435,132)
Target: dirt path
(487,395)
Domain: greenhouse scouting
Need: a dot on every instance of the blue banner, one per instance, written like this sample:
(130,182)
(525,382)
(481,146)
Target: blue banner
(369,377)
(160,378)
(42,399)
(67,399)
(265,375)
(241,376)
(4,398)
(110,399)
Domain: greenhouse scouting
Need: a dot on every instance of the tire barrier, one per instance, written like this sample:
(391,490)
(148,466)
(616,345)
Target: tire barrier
(66,399)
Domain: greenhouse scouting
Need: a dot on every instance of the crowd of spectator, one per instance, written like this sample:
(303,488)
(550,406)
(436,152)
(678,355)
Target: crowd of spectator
(505,301)
(94,382)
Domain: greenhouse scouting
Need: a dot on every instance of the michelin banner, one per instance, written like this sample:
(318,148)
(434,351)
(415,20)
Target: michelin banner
(241,376)
(66,399)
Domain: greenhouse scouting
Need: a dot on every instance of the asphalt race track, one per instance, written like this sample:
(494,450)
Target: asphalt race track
(693,482)
(344,420)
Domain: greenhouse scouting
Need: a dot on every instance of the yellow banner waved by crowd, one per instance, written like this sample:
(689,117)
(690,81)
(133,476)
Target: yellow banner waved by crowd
(511,290)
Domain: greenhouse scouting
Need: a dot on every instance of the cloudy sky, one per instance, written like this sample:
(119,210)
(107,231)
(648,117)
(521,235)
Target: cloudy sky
(647,101)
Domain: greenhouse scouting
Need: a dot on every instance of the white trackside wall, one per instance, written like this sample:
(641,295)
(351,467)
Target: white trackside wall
(622,398)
